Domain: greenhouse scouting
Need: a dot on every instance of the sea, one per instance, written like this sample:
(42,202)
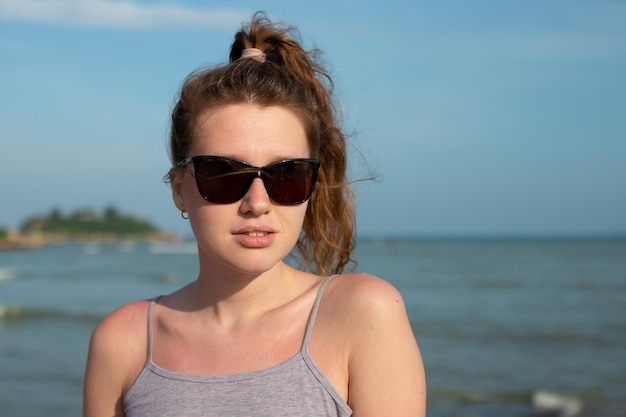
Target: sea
(506,327)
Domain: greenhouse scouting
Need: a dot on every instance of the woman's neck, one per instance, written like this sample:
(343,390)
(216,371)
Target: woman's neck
(241,299)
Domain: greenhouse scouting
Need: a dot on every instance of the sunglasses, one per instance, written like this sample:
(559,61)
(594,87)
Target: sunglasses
(226,180)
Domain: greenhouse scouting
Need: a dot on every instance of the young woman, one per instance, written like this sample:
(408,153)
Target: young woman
(259,168)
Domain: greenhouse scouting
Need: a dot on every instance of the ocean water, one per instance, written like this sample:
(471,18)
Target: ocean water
(507,328)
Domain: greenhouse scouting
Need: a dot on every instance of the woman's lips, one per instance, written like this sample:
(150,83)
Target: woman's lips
(255,238)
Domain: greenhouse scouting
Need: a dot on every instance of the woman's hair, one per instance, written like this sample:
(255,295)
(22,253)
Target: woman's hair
(289,77)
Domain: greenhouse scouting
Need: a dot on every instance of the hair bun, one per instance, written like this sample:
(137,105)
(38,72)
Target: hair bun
(253,53)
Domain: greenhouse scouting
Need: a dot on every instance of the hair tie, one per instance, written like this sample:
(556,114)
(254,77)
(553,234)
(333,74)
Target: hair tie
(253,53)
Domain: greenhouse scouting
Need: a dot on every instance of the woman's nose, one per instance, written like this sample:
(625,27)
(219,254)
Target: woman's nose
(256,200)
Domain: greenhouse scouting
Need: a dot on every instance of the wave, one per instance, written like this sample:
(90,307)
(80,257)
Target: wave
(174,248)
(466,396)
(568,406)
(609,338)
(540,401)
(7,274)
(12,314)
(92,249)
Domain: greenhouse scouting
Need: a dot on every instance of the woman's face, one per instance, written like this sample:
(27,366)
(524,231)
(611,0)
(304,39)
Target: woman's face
(254,234)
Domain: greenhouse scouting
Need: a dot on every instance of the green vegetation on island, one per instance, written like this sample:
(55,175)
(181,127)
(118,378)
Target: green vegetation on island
(80,225)
(88,222)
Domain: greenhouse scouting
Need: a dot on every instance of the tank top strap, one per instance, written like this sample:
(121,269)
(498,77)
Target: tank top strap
(150,331)
(316,304)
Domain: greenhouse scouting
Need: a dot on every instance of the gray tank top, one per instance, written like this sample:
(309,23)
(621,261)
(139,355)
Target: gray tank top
(293,388)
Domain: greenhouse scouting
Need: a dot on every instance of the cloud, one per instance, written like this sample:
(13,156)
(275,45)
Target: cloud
(121,14)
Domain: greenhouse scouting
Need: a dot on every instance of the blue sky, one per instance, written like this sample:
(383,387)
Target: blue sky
(479,118)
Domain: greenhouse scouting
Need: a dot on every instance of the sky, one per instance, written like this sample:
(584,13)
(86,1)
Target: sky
(481,118)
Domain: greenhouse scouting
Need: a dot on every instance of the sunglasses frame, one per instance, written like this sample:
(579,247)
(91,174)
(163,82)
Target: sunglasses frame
(258,172)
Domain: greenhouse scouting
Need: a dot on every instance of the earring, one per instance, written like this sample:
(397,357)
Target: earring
(184,215)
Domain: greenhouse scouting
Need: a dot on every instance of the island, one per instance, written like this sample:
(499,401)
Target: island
(84,225)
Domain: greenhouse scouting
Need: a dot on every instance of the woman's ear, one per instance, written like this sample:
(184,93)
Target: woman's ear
(176,181)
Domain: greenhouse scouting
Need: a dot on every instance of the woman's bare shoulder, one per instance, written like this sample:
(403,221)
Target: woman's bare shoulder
(381,352)
(124,321)
(123,334)
(360,291)
(117,353)
(354,303)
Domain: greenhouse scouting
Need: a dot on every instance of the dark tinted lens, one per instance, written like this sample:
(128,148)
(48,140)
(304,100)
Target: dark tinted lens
(290,182)
(222,180)
(225,180)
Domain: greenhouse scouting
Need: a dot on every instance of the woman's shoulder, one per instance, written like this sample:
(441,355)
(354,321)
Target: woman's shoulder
(118,347)
(354,302)
(363,291)
(123,333)
(378,344)
(126,318)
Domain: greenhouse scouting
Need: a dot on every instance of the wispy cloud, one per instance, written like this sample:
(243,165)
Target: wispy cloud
(119,14)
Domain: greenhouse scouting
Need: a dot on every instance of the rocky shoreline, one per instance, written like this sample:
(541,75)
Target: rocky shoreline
(16,241)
